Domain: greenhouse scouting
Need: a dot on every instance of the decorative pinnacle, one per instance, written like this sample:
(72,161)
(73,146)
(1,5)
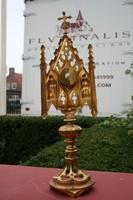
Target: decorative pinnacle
(42,47)
(91,59)
(42,64)
(65,23)
(89,46)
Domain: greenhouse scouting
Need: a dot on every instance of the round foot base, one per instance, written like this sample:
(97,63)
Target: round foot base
(72,186)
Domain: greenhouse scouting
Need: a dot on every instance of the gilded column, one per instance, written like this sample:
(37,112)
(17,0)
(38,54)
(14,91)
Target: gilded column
(92,81)
(43,67)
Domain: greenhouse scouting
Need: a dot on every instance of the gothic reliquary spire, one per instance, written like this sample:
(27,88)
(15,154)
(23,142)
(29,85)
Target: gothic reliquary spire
(67,85)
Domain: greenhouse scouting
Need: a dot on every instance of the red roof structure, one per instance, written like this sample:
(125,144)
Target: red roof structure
(14,88)
(14,78)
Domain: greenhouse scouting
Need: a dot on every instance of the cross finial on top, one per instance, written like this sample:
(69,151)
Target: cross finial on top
(65,24)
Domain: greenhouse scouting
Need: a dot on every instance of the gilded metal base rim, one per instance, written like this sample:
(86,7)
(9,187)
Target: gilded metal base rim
(74,188)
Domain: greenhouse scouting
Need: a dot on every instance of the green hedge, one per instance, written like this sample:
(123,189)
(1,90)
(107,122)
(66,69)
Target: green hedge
(23,137)
(104,149)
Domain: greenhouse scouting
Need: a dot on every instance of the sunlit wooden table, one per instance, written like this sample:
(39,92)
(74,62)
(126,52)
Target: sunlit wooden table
(31,183)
